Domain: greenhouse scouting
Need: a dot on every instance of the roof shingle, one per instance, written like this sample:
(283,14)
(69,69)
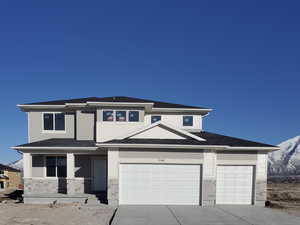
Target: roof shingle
(210,139)
(60,142)
(157,104)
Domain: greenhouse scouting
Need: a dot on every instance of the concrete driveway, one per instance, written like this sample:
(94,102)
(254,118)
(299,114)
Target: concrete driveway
(197,215)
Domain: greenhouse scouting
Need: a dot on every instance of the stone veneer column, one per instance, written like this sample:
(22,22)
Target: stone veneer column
(209,178)
(113,176)
(261,179)
(70,174)
(27,171)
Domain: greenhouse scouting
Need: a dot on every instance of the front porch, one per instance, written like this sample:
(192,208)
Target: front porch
(65,178)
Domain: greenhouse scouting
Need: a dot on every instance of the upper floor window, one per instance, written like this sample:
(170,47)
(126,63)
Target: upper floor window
(121,116)
(187,120)
(108,115)
(133,116)
(54,121)
(154,119)
(1,172)
(56,166)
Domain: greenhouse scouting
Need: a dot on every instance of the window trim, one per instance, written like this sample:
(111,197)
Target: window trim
(115,116)
(45,166)
(188,125)
(126,116)
(53,131)
(157,120)
(128,112)
(113,113)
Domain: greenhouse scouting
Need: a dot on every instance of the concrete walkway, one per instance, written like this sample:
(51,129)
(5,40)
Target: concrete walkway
(197,215)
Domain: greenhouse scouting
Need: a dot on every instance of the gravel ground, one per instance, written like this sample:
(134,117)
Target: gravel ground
(71,214)
(285,197)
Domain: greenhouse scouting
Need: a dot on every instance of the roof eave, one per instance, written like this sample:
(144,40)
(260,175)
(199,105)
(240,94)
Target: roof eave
(32,107)
(200,147)
(52,148)
(191,110)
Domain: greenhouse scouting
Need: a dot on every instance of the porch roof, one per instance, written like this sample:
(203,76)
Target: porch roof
(60,143)
(209,140)
(8,168)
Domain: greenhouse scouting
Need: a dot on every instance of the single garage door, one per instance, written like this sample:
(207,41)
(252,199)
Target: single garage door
(234,185)
(159,184)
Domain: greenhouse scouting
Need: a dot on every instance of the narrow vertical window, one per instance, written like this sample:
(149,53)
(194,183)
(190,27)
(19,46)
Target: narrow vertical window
(48,121)
(59,121)
(61,166)
(51,166)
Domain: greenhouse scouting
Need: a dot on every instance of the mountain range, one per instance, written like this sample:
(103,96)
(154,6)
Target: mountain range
(285,161)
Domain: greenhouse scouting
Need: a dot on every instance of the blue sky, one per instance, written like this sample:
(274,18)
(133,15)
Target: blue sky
(240,58)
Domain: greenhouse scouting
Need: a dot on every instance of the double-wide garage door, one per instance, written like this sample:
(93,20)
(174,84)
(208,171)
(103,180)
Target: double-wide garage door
(160,184)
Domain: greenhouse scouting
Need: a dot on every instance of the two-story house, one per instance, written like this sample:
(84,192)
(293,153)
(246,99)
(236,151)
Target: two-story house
(136,151)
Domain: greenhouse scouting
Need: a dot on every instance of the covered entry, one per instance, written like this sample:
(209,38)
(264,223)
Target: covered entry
(160,184)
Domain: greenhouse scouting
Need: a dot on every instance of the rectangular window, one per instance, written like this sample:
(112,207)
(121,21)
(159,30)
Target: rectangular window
(1,185)
(108,115)
(1,172)
(187,120)
(48,121)
(54,121)
(154,119)
(133,116)
(61,163)
(56,166)
(59,121)
(121,116)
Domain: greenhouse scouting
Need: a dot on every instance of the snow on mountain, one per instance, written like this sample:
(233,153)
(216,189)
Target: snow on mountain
(285,161)
(17,164)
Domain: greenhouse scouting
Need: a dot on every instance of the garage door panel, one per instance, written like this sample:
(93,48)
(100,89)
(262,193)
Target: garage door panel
(159,184)
(234,185)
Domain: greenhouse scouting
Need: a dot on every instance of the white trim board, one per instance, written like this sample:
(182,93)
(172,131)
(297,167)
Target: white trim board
(200,147)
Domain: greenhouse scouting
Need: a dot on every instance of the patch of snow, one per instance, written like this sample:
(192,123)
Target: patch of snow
(285,161)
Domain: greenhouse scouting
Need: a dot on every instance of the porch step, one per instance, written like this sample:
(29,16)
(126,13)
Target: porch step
(92,201)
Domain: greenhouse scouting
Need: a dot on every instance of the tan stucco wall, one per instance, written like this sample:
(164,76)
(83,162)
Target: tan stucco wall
(36,124)
(160,156)
(13,181)
(85,125)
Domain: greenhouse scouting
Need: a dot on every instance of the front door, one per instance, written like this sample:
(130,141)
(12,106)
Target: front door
(99,174)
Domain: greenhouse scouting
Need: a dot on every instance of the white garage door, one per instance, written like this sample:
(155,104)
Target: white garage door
(234,184)
(159,184)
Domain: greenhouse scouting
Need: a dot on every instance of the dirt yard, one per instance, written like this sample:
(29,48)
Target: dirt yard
(285,196)
(75,214)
